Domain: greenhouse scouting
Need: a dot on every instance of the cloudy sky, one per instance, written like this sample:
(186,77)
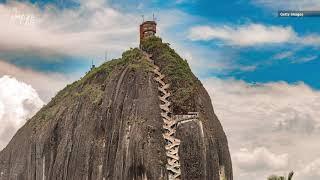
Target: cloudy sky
(261,71)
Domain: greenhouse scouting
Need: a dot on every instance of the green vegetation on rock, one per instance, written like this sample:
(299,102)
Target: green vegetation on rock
(91,86)
(178,73)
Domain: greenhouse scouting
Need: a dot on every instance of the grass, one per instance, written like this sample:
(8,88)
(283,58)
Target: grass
(91,83)
(177,71)
(90,87)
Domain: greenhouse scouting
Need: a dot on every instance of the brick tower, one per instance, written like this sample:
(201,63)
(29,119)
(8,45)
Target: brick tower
(147,29)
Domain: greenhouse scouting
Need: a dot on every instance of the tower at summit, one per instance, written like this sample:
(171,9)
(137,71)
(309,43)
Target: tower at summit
(147,29)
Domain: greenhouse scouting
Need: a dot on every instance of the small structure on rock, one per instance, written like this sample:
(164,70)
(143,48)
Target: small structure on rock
(147,29)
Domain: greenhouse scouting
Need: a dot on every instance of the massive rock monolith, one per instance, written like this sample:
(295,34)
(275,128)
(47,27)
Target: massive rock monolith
(110,125)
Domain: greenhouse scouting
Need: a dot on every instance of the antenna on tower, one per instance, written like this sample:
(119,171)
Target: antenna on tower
(142,18)
(92,65)
(153,17)
(106,56)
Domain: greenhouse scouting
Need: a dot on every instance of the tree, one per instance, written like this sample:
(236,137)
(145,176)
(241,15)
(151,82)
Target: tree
(274,177)
(290,175)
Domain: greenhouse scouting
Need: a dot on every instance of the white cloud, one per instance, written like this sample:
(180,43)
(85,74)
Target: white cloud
(310,39)
(252,35)
(85,31)
(306,59)
(297,123)
(18,101)
(310,171)
(291,57)
(259,159)
(46,84)
(248,35)
(289,5)
(283,55)
(185,1)
(283,118)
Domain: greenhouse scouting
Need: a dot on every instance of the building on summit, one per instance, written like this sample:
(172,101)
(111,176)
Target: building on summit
(147,29)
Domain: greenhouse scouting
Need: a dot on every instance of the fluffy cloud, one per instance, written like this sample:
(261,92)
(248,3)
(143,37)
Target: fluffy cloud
(18,101)
(268,103)
(289,5)
(310,171)
(280,117)
(22,92)
(46,84)
(248,35)
(84,31)
(259,158)
(298,122)
(88,30)
(252,35)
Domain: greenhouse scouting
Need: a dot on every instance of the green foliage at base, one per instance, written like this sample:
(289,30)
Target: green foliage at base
(177,71)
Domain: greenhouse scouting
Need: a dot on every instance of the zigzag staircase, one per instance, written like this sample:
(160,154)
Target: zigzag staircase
(172,143)
(171,122)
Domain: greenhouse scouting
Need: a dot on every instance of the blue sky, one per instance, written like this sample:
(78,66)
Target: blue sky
(241,12)
(232,13)
(261,71)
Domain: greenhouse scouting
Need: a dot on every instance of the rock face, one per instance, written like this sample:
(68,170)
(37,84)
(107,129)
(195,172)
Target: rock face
(108,125)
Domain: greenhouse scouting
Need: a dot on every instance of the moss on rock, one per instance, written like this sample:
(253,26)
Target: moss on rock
(91,85)
(178,73)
